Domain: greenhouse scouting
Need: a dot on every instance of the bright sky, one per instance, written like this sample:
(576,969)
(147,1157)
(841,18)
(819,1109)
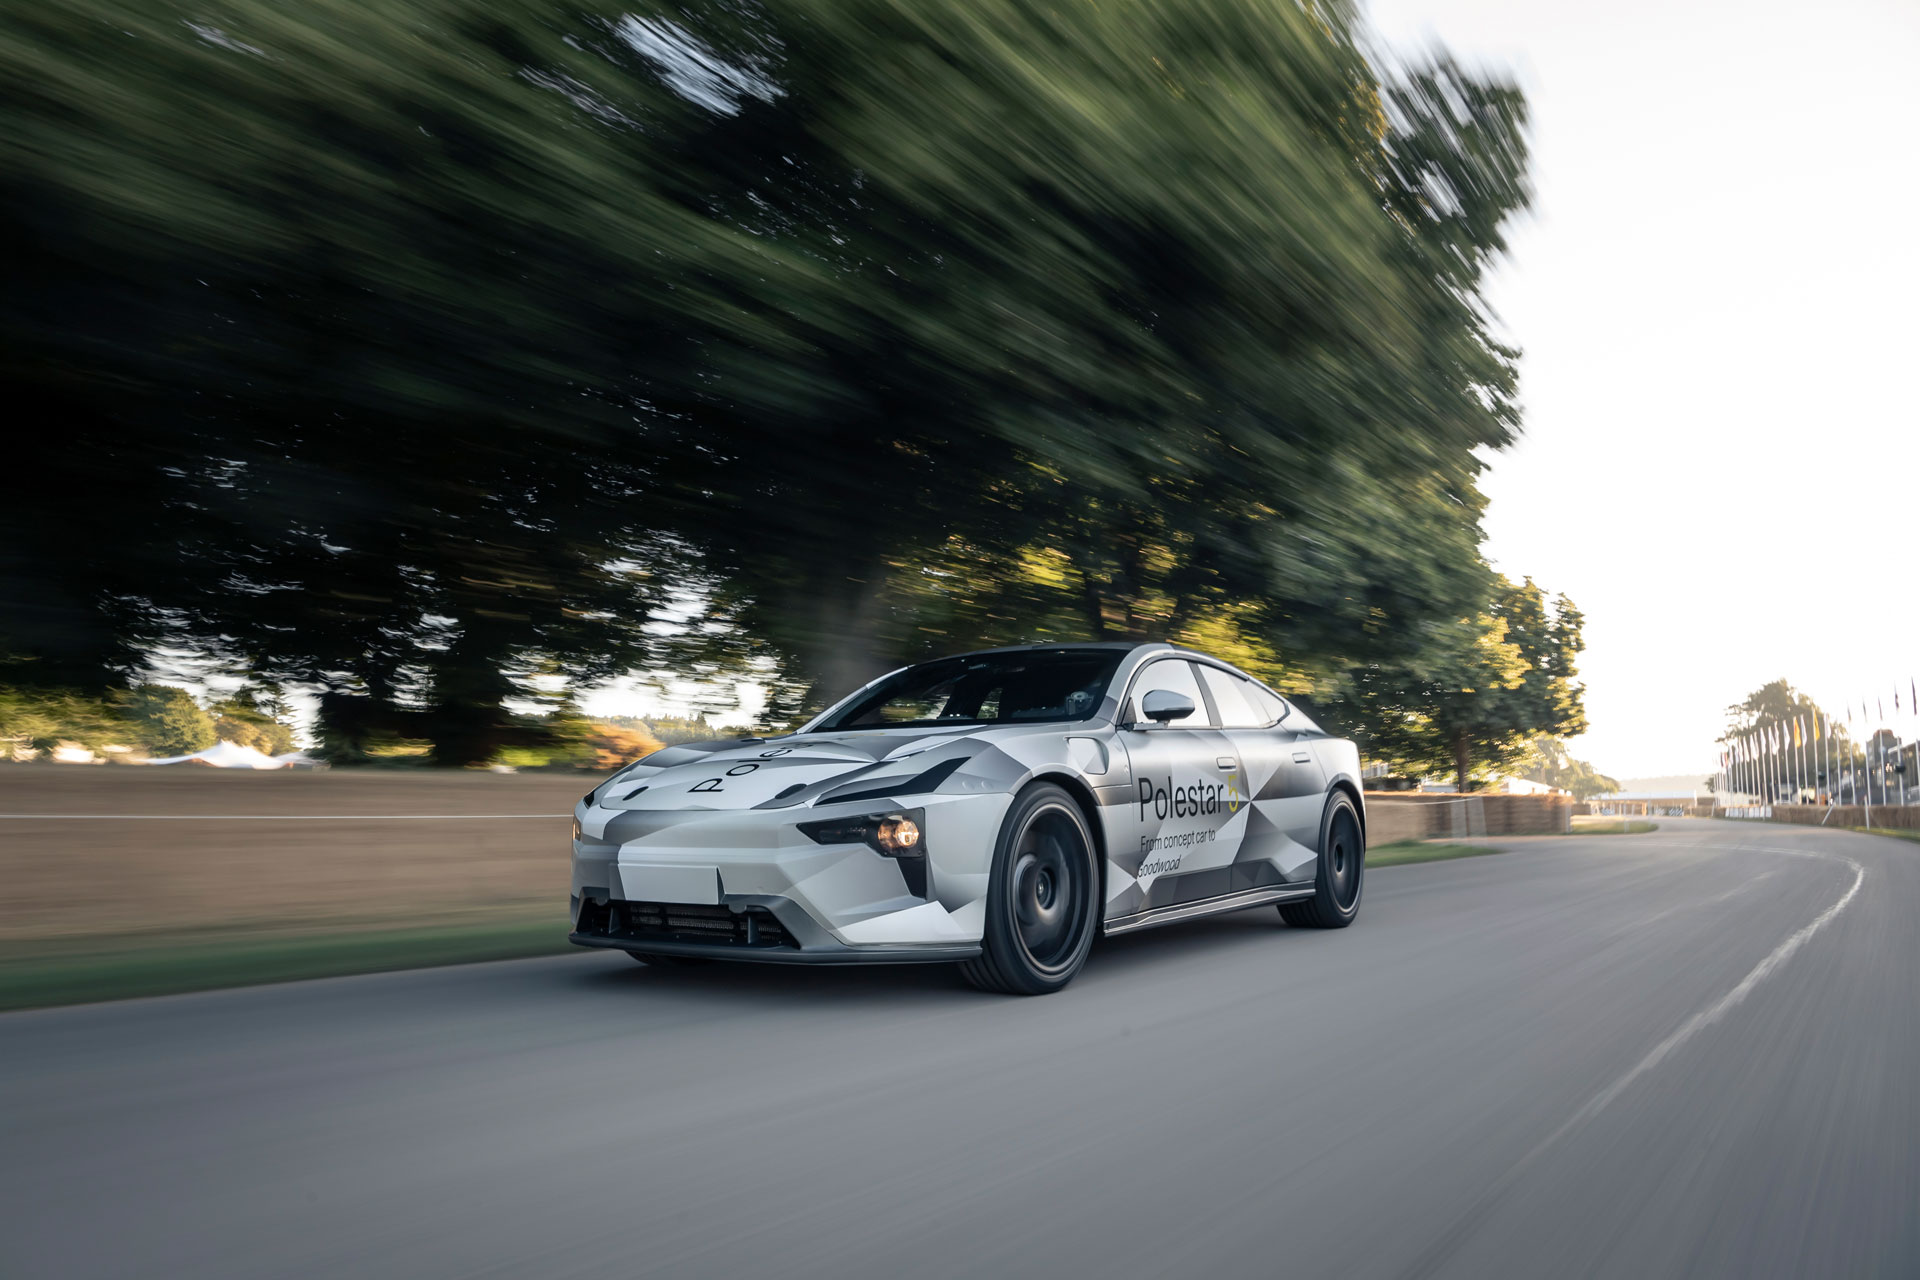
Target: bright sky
(1717,298)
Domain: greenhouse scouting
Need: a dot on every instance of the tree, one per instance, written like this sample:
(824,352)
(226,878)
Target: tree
(168,722)
(33,720)
(1552,763)
(1776,728)
(1477,691)
(429,346)
(243,720)
(1117,400)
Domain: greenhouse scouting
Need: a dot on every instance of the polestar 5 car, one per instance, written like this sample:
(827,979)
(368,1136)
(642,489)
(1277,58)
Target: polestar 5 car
(997,809)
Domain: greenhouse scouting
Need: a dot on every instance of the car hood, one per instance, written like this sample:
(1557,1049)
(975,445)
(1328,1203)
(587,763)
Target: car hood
(801,768)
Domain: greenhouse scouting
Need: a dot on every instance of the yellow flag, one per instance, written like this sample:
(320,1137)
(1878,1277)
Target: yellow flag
(1796,731)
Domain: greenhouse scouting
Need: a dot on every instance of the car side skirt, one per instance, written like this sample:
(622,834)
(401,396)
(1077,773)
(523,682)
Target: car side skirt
(1211,906)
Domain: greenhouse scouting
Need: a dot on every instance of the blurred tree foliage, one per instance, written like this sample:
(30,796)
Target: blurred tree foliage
(168,722)
(429,346)
(34,721)
(1775,706)
(1768,714)
(243,720)
(1477,692)
(1552,763)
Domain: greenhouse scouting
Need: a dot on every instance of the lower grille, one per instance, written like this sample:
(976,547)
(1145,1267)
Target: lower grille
(680,922)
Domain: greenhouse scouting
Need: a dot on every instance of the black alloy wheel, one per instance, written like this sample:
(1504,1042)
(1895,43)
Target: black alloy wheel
(1042,898)
(1336,883)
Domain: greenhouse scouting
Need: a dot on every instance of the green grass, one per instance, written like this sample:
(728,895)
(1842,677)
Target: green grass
(1612,827)
(35,977)
(1898,833)
(1401,852)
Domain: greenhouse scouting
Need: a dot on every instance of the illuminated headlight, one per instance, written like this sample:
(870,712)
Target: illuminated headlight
(896,834)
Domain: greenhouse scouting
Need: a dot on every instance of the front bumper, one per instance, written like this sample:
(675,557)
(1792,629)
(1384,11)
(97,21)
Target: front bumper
(725,872)
(761,928)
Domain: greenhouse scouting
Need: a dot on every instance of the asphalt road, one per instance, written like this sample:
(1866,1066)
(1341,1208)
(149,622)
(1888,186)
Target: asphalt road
(1695,1053)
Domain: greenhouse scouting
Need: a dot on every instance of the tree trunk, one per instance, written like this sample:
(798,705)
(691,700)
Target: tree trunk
(1461,761)
(1096,611)
(469,722)
(844,648)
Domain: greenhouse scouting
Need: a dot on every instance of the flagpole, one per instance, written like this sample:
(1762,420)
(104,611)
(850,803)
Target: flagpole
(1825,734)
(1800,757)
(1773,767)
(1779,763)
(1866,756)
(1766,766)
(1806,748)
(1881,721)
(1899,752)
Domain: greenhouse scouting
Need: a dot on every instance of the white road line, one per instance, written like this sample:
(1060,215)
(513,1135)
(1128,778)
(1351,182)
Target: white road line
(263,817)
(1450,1240)
(1721,1007)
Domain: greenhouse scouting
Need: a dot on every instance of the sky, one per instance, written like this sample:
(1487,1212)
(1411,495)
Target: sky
(1716,295)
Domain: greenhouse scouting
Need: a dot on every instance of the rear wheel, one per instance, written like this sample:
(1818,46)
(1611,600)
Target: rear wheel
(1336,883)
(1042,897)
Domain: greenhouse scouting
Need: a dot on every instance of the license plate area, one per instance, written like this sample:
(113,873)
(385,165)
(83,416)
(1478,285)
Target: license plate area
(670,882)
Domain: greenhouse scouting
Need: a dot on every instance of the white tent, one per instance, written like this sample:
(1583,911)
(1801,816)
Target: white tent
(298,760)
(227,755)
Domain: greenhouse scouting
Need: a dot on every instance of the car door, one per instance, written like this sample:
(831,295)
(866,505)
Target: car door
(1285,781)
(1177,835)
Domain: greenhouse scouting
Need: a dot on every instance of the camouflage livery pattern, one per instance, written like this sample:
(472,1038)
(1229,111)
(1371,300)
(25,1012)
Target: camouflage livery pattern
(1189,815)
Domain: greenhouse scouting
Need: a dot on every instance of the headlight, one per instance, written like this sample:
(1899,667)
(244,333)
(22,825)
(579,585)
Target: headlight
(896,834)
(899,835)
(576,828)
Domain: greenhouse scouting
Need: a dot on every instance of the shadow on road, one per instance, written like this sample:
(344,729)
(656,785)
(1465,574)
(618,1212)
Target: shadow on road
(744,980)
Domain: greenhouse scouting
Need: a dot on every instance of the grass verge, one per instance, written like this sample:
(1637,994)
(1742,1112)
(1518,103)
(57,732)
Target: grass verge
(1404,851)
(39,977)
(1612,827)
(1898,833)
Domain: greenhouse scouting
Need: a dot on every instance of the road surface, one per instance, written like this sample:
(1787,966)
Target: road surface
(1693,1053)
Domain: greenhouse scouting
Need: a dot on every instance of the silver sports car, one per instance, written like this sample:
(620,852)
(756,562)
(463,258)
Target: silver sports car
(997,809)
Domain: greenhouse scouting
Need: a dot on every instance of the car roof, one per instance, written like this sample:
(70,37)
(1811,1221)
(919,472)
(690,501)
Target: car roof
(1123,646)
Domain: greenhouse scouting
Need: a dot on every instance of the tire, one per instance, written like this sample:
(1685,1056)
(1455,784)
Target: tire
(1043,897)
(1337,879)
(656,961)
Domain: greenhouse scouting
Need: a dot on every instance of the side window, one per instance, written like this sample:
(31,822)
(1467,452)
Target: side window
(1234,697)
(1270,705)
(1175,676)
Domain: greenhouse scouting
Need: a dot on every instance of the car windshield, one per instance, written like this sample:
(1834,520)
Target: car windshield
(986,688)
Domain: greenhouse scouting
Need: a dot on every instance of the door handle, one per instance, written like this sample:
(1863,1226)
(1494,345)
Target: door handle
(1303,757)
(1225,762)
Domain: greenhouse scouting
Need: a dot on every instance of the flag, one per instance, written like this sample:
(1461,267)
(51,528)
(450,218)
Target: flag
(1796,731)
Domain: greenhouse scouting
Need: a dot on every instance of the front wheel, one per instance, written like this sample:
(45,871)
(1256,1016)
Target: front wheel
(1336,883)
(1043,897)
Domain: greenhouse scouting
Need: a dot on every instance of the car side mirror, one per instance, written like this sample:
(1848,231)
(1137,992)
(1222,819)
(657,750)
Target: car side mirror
(1164,705)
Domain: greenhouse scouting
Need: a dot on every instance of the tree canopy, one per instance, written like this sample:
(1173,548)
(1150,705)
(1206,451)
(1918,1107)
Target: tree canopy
(1479,691)
(431,347)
